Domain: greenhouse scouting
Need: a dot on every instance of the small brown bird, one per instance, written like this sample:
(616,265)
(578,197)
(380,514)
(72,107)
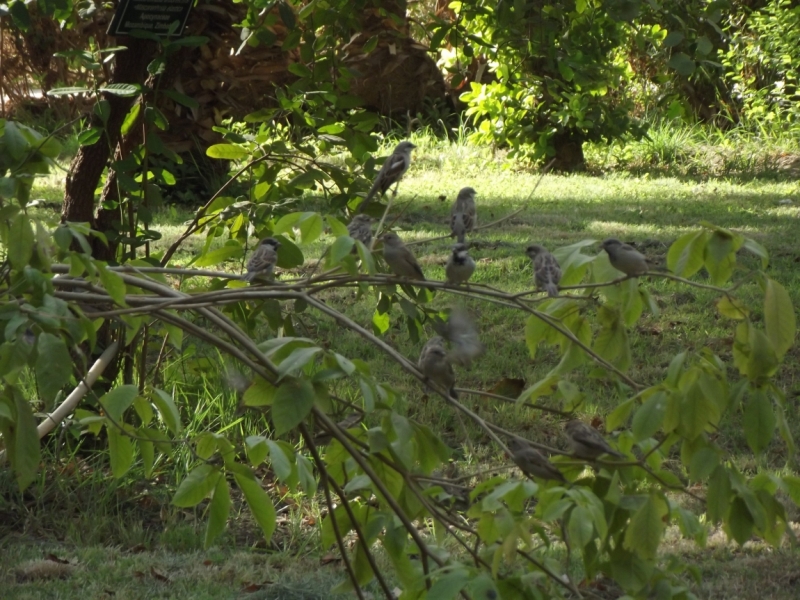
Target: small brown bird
(624,257)
(462,333)
(262,262)
(460,266)
(463,216)
(360,228)
(400,259)
(587,442)
(392,171)
(435,365)
(532,462)
(546,270)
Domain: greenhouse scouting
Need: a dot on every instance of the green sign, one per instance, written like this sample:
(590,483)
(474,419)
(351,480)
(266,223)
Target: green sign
(155,16)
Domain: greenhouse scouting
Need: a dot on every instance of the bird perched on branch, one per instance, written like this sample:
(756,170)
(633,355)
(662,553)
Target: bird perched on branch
(546,271)
(624,257)
(400,259)
(435,365)
(532,462)
(587,442)
(460,266)
(463,217)
(462,334)
(393,169)
(360,228)
(262,262)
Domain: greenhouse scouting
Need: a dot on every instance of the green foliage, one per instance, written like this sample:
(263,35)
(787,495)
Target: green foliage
(761,63)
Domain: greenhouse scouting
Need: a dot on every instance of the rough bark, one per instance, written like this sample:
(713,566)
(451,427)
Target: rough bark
(569,152)
(90,161)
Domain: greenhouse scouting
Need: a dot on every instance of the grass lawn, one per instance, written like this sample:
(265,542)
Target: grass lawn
(128,554)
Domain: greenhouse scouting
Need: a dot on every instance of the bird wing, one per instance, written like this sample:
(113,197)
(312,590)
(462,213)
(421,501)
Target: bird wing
(263,259)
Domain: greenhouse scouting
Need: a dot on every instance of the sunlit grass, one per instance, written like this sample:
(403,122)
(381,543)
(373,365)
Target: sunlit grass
(646,209)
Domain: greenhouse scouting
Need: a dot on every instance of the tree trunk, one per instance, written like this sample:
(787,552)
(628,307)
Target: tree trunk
(569,152)
(90,161)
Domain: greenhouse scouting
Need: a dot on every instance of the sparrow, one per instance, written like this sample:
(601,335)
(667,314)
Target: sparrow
(532,462)
(435,365)
(624,257)
(587,442)
(460,266)
(400,259)
(262,262)
(393,169)
(546,271)
(463,217)
(360,228)
(462,334)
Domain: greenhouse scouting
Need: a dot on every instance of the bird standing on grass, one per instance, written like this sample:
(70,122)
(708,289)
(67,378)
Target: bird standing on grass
(587,442)
(624,257)
(360,228)
(262,262)
(460,266)
(400,259)
(393,169)
(463,216)
(532,462)
(436,367)
(546,271)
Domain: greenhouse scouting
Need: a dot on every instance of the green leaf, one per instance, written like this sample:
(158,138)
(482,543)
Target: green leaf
(685,255)
(114,285)
(339,250)
(256,448)
(779,318)
(20,241)
(215,257)
(754,247)
(643,535)
(117,401)
(258,501)
(293,401)
(448,586)
(718,495)
(732,308)
(649,417)
(131,118)
(310,227)
(697,411)
(282,462)
(298,359)
(125,90)
(619,415)
(227,152)
(120,451)
(682,64)
(167,409)
(581,526)
(53,365)
(720,256)
(218,511)
(740,521)
(289,255)
(147,450)
(25,453)
(791,484)
(183,99)
(196,486)
(759,420)
(260,393)
(673,39)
